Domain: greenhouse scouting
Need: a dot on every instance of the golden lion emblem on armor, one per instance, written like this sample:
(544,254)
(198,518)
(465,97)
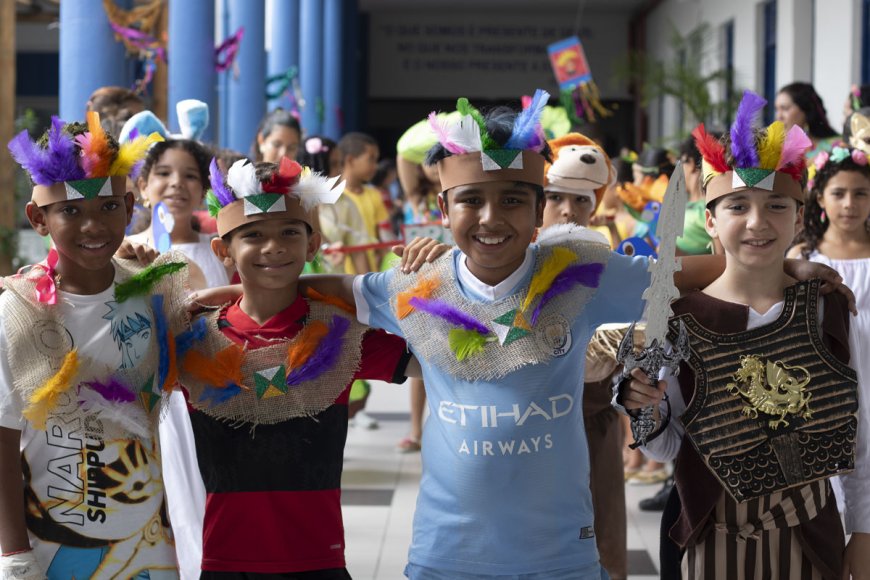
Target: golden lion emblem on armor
(770,389)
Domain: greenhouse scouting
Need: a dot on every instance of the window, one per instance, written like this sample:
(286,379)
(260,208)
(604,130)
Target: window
(769,47)
(728,66)
(865,42)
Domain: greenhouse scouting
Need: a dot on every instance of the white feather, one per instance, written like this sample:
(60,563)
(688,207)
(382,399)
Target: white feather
(561,233)
(242,177)
(130,416)
(314,189)
(465,133)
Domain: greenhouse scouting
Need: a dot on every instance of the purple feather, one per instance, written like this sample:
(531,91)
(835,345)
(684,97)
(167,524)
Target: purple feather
(224,195)
(526,133)
(62,156)
(114,391)
(742,139)
(30,156)
(449,313)
(324,358)
(215,395)
(585,274)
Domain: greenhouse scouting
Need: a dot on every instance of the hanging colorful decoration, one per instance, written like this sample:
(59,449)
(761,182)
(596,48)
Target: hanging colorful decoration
(282,83)
(225,53)
(579,93)
(138,29)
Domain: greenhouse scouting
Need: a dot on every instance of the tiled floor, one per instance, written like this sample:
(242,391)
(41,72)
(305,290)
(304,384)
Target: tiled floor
(380,491)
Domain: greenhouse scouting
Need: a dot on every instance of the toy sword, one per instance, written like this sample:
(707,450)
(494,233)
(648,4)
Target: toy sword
(661,292)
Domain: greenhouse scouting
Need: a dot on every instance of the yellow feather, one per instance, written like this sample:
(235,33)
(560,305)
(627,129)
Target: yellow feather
(560,259)
(707,171)
(771,148)
(44,399)
(132,152)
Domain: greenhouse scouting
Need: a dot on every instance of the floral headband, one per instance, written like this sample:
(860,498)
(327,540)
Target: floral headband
(837,155)
(315,145)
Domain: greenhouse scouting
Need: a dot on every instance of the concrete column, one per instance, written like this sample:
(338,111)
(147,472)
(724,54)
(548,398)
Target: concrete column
(191,50)
(247,93)
(311,53)
(837,55)
(794,41)
(284,31)
(89,56)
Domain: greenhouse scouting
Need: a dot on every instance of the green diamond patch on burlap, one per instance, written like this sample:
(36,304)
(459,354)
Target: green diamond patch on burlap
(149,397)
(270,382)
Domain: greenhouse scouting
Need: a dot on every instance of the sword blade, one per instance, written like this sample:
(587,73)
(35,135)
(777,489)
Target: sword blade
(661,291)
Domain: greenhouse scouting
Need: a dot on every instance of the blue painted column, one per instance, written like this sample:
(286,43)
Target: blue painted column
(191,58)
(247,93)
(333,71)
(311,54)
(284,30)
(89,56)
(355,94)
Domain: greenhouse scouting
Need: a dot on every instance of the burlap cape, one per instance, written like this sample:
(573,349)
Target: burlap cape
(39,342)
(429,335)
(303,400)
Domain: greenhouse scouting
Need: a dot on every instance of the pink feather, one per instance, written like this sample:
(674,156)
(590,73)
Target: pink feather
(443,136)
(796,144)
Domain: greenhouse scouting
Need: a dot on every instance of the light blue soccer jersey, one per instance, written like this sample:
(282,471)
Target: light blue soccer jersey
(505,485)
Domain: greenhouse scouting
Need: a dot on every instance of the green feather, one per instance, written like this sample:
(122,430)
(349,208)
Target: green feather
(143,282)
(466,108)
(465,343)
(214,206)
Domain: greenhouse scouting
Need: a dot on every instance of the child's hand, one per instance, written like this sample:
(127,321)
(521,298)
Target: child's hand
(209,297)
(831,281)
(132,251)
(21,566)
(418,252)
(856,559)
(641,391)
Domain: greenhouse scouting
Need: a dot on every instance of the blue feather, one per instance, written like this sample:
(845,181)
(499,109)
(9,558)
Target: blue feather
(324,358)
(527,132)
(742,138)
(161,328)
(185,340)
(218,395)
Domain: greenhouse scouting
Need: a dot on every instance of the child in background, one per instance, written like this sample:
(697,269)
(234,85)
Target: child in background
(81,492)
(753,505)
(576,182)
(176,172)
(321,154)
(837,233)
(359,163)
(271,455)
(278,135)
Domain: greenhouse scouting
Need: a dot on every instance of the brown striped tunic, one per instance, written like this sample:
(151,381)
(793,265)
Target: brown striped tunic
(794,534)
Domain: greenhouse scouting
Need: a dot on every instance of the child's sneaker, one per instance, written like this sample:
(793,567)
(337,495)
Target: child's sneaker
(364,421)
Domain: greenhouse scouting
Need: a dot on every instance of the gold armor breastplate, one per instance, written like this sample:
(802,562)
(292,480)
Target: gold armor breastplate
(772,407)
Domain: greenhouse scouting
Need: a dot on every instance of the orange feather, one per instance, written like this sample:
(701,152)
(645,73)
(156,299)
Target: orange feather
(313,294)
(423,289)
(97,157)
(308,340)
(223,369)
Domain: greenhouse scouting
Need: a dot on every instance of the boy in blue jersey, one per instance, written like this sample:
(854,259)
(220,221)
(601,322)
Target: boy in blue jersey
(500,326)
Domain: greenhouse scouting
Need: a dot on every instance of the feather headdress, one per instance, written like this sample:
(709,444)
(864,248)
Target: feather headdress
(772,159)
(468,139)
(291,180)
(84,164)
